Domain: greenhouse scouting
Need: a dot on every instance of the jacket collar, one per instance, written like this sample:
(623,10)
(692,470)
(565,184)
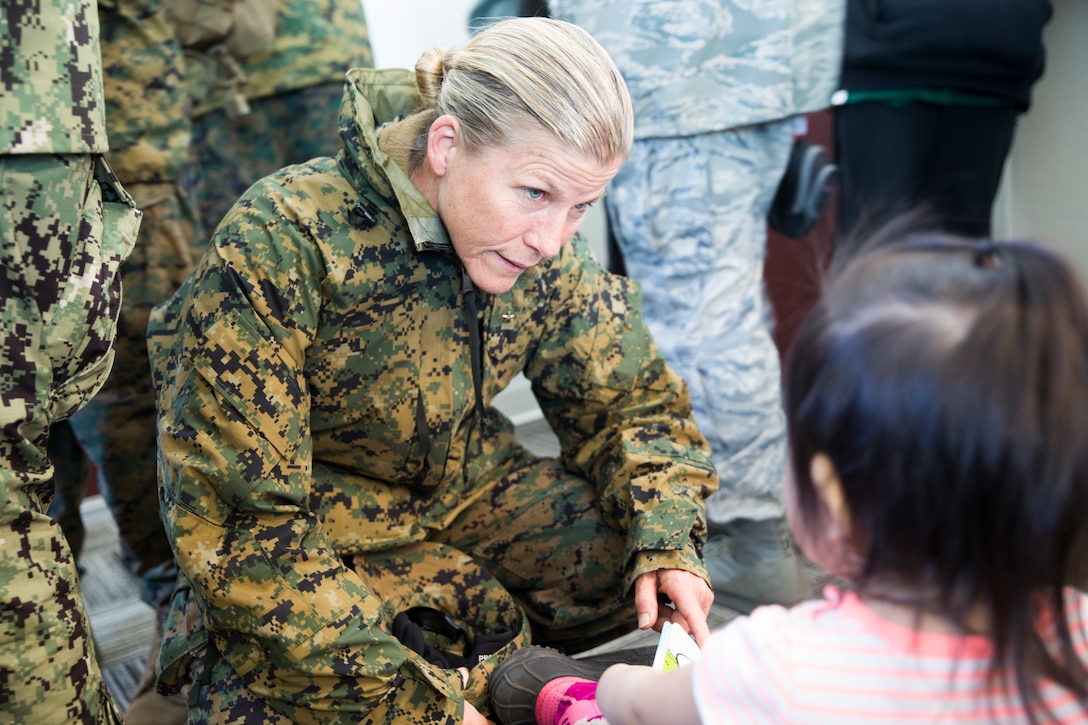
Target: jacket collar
(377,159)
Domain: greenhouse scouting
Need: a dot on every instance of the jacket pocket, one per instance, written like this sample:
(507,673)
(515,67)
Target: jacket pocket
(84,326)
(382,436)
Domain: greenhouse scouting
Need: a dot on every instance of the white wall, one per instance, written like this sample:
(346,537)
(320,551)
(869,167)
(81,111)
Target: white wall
(400,30)
(1045,191)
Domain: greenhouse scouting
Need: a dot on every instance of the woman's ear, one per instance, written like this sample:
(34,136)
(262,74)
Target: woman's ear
(442,141)
(825,480)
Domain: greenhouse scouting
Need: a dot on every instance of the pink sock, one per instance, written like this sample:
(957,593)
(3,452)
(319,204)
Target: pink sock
(568,701)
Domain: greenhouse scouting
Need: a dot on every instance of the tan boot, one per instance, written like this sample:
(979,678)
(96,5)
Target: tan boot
(151,708)
(147,706)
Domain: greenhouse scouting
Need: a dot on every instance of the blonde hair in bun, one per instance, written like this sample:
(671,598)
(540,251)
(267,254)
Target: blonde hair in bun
(430,72)
(525,74)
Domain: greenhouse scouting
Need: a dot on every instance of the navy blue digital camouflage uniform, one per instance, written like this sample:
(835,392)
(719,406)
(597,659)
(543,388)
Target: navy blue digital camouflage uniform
(147,120)
(66,225)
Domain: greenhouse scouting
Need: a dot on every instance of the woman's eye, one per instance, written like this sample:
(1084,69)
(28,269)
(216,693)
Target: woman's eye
(583,207)
(534,194)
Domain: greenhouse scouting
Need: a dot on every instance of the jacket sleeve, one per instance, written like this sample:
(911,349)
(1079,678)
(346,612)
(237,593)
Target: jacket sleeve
(623,417)
(277,601)
(147,103)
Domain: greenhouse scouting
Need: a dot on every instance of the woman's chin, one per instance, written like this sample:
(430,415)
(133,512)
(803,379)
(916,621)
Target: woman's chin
(494,283)
(498,287)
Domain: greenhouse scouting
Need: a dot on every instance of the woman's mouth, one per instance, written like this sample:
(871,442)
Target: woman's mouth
(514,265)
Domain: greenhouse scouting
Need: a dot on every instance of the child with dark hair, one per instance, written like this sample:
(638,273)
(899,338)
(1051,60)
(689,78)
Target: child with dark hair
(937,407)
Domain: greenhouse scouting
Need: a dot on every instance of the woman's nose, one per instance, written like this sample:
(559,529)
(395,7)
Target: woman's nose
(550,234)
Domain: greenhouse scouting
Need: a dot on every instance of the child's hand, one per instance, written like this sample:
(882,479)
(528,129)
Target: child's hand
(636,694)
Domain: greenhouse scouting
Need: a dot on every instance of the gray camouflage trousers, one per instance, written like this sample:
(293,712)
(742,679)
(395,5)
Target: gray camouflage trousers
(690,217)
(66,225)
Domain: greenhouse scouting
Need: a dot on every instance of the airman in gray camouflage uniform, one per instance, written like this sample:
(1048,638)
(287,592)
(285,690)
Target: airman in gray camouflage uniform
(715,86)
(66,225)
(256,113)
(329,455)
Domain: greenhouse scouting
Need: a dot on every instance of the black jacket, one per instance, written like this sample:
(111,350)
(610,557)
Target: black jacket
(988,47)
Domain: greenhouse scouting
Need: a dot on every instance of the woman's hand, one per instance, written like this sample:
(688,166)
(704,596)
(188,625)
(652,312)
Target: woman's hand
(691,598)
(472,715)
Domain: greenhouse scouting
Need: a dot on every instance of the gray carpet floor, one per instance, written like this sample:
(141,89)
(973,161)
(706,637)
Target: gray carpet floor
(122,625)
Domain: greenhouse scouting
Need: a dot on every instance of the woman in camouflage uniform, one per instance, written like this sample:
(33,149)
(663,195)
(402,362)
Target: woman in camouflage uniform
(329,456)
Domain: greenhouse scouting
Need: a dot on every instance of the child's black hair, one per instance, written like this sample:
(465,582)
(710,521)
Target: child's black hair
(947,381)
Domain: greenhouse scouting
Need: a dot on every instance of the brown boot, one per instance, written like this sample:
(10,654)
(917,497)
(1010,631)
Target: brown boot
(151,708)
(147,706)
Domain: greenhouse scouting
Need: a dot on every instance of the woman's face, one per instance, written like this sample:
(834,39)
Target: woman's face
(507,208)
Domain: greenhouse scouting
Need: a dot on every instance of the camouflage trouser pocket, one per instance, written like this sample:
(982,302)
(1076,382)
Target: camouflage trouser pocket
(417,575)
(438,577)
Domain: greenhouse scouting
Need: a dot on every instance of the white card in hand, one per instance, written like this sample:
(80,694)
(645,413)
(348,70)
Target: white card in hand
(675,649)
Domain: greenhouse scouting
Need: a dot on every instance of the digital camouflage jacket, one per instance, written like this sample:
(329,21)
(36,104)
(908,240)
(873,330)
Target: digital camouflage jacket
(316,41)
(51,71)
(147,101)
(317,397)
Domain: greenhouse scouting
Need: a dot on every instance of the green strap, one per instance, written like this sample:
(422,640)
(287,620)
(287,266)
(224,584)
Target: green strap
(906,96)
